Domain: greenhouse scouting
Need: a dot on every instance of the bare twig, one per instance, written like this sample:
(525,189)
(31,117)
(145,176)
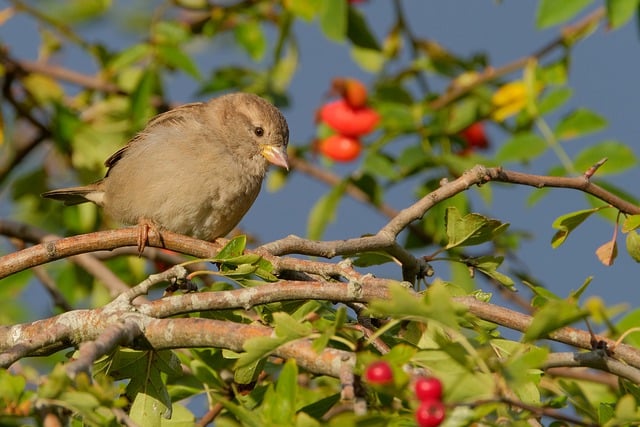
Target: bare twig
(597,359)
(491,73)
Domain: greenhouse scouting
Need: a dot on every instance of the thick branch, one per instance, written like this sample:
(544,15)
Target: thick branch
(197,332)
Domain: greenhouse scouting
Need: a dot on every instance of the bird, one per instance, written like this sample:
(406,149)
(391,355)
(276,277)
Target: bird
(193,170)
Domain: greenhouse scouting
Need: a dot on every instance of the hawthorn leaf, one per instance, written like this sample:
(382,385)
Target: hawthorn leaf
(324,211)
(234,248)
(554,315)
(523,147)
(607,253)
(620,157)
(619,12)
(333,19)
(554,12)
(472,229)
(579,123)
(565,224)
(633,245)
(630,223)
(488,265)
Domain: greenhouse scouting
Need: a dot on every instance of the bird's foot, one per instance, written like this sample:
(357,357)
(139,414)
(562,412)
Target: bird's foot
(144,225)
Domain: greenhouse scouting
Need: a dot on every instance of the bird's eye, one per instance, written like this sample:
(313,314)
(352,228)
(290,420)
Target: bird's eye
(259,131)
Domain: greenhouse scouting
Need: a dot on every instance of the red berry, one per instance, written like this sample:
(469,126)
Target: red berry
(341,148)
(430,413)
(378,373)
(349,121)
(475,136)
(351,90)
(428,388)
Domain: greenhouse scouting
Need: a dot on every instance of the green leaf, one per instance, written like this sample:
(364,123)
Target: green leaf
(170,32)
(146,387)
(620,157)
(554,12)
(575,295)
(633,245)
(436,305)
(141,105)
(318,408)
(411,159)
(619,12)
(249,372)
(173,56)
(306,10)
(288,328)
(65,124)
(368,183)
(630,223)
(234,248)
(283,404)
(147,410)
(74,11)
(276,180)
(378,164)
(370,60)
(554,315)
(333,19)
(472,229)
(488,265)
(324,211)
(258,348)
(579,123)
(128,56)
(367,259)
(250,36)
(358,31)
(463,114)
(523,147)
(555,73)
(565,224)
(554,99)
(396,116)
(542,295)
(630,320)
(285,69)
(243,259)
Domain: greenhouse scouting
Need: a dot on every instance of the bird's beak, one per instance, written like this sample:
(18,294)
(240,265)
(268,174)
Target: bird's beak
(276,155)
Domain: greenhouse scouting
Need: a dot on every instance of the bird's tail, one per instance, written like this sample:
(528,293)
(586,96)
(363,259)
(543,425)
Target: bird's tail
(76,195)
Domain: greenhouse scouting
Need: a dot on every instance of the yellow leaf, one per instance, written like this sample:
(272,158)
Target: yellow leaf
(595,306)
(509,100)
(43,88)
(607,253)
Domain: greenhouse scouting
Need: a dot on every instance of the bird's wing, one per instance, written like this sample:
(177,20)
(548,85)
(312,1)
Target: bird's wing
(168,118)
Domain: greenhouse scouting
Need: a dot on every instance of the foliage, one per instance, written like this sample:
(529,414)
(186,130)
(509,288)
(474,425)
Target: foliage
(239,351)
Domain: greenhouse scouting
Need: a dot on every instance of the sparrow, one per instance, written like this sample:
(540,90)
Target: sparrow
(193,170)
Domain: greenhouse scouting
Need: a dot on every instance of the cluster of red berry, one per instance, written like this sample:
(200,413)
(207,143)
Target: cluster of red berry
(349,117)
(474,138)
(428,390)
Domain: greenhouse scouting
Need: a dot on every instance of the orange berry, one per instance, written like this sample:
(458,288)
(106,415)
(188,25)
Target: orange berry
(349,121)
(341,148)
(351,90)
